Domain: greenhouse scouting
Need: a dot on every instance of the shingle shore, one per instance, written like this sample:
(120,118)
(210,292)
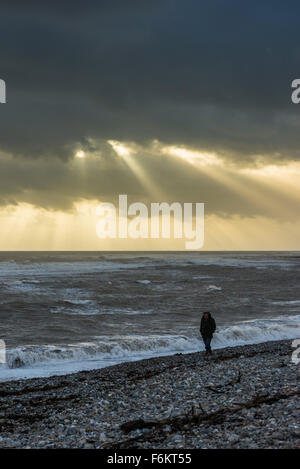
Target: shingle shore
(241,397)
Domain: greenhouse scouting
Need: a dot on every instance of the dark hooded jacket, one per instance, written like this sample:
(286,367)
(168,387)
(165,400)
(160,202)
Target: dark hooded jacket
(207,326)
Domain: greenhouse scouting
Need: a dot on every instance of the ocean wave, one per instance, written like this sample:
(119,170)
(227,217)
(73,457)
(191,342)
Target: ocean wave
(213,288)
(102,350)
(22,286)
(77,302)
(103,347)
(93,311)
(244,261)
(124,311)
(283,303)
(256,331)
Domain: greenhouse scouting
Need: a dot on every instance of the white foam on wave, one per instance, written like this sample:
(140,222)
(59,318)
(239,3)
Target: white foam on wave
(213,288)
(126,312)
(102,351)
(282,303)
(259,330)
(22,286)
(75,312)
(94,310)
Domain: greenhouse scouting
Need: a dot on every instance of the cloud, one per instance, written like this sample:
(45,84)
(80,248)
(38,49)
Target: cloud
(211,74)
(150,173)
(213,77)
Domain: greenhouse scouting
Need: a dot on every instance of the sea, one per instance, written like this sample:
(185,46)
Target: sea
(62,312)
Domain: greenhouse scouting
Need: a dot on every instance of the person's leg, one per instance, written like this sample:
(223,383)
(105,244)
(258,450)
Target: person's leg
(206,343)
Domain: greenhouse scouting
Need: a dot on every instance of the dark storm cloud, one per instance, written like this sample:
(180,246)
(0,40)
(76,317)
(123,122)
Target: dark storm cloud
(212,74)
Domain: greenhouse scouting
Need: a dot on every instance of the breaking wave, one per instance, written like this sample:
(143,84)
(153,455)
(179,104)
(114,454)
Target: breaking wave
(104,350)
(213,288)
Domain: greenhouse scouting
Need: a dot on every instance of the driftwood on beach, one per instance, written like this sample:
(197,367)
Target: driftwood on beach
(193,418)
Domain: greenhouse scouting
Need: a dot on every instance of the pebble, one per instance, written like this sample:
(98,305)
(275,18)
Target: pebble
(87,409)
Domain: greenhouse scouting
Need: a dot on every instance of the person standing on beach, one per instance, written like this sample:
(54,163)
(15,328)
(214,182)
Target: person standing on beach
(207,328)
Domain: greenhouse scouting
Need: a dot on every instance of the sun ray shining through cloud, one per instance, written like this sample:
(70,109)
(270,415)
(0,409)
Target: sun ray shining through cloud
(269,192)
(192,156)
(248,184)
(126,153)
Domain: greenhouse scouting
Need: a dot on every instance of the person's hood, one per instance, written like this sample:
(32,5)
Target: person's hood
(208,314)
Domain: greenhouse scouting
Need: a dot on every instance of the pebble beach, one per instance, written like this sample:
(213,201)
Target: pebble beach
(240,397)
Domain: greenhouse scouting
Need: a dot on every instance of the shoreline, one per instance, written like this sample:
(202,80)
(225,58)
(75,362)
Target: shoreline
(241,397)
(45,361)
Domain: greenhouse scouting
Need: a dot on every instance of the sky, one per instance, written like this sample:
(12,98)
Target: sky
(161,100)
